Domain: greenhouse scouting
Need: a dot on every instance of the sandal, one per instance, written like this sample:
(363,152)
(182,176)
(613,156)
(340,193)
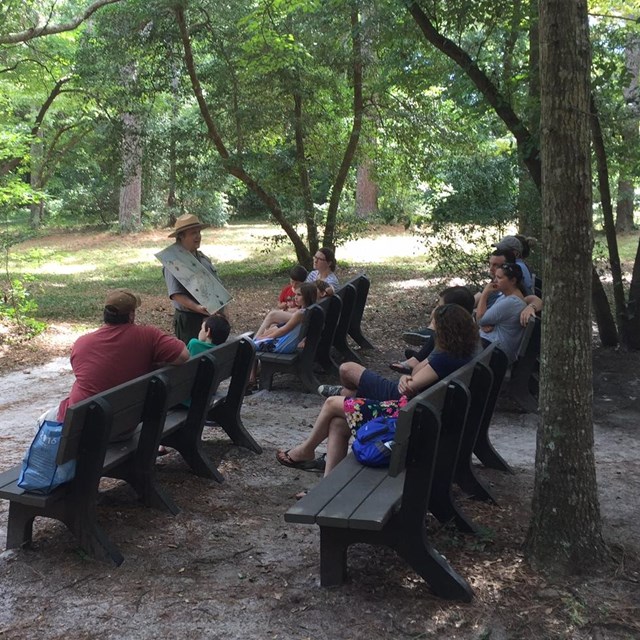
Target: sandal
(285,460)
(399,367)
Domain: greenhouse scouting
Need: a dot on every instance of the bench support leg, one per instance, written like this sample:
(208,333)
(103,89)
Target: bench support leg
(229,419)
(189,447)
(432,567)
(489,457)
(333,556)
(472,485)
(95,541)
(20,525)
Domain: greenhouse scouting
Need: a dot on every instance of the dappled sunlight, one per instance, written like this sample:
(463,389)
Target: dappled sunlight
(415,283)
(383,249)
(61,268)
(225,253)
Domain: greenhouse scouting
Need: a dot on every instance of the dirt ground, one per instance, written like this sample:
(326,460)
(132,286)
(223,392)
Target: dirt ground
(228,566)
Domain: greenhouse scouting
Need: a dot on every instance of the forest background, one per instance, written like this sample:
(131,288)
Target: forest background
(326,116)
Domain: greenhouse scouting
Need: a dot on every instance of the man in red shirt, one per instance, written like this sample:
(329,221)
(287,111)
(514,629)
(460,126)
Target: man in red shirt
(119,351)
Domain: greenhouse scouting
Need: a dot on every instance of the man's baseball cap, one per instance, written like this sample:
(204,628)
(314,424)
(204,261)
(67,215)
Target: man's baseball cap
(509,243)
(122,301)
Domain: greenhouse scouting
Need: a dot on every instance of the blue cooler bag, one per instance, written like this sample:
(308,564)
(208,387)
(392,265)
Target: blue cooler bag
(40,473)
(374,441)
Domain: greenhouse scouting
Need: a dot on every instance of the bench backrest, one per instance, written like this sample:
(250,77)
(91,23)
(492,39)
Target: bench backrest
(361,283)
(332,307)
(347,295)
(312,329)
(434,396)
(198,379)
(122,407)
(526,338)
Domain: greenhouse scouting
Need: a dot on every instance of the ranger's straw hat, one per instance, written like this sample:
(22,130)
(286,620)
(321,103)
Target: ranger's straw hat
(186,221)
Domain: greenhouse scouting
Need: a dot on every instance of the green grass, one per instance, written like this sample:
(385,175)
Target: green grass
(72,271)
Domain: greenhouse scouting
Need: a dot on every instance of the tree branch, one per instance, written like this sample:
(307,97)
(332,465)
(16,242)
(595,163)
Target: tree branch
(356,127)
(46,29)
(526,144)
(233,165)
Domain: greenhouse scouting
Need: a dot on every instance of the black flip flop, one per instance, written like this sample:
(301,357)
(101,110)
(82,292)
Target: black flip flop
(286,461)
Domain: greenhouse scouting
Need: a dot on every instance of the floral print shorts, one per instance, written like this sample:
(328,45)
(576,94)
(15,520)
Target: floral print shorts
(361,410)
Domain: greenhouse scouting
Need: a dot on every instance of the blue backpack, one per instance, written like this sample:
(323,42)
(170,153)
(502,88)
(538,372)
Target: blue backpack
(374,441)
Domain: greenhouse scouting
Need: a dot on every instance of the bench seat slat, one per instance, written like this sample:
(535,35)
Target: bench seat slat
(305,510)
(9,490)
(337,512)
(377,509)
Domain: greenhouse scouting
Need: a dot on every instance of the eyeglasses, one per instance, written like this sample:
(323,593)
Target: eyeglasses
(320,258)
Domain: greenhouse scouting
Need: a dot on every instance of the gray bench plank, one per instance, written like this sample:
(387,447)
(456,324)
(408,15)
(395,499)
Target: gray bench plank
(305,510)
(337,512)
(377,509)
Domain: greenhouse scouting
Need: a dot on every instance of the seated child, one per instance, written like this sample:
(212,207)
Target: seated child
(324,290)
(287,298)
(284,337)
(214,331)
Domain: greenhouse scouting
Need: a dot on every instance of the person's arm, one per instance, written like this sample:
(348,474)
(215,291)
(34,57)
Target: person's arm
(182,358)
(189,304)
(534,305)
(481,309)
(411,385)
(291,324)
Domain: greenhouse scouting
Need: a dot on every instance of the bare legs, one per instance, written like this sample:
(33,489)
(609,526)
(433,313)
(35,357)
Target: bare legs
(350,374)
(330,425)
(276,316)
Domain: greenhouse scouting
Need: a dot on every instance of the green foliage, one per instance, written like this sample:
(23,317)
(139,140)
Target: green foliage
(480,190)
(17,307)
(459,251)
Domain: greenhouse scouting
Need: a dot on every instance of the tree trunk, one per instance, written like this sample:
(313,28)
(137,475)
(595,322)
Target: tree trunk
(37,206)
(607,329)
(172,201)
(303,172)
(565,531)
(366,191)
(624,206)
(356,127)
(624,210)
(607,214)
(231,165)
(633,309)
(130,208)
(529,214)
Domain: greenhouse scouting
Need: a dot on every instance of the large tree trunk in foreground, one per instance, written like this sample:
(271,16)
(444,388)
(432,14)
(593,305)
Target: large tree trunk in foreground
(565,533)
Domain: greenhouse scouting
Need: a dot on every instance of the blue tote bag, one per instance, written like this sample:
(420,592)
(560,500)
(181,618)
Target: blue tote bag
(40,473)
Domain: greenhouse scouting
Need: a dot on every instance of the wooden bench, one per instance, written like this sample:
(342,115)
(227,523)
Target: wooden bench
(483,448)
(332,307)
(91,426)
(299,363)
(362,284)
(183,426)
(522,382)
(88,428)
(356,504)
